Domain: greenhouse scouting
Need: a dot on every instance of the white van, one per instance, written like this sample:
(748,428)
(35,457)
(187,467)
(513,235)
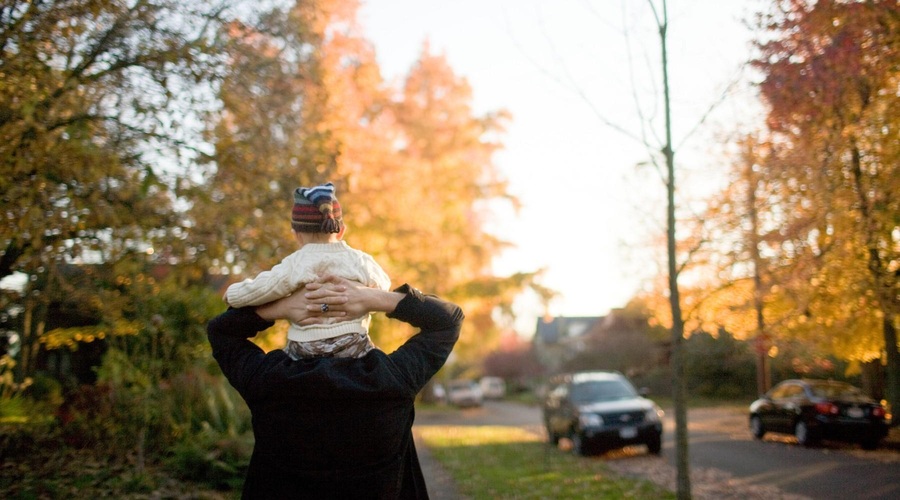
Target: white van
(493,387)
(464,393)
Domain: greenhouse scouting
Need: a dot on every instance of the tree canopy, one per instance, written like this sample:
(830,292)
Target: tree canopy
(803,242)
(173,134)
(86,98)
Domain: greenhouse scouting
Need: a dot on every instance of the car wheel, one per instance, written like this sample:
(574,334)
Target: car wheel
(654,445)
(803,435)
(756,427)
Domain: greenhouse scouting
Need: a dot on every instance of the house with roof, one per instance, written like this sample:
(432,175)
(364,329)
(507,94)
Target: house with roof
(617,341)
(559,339)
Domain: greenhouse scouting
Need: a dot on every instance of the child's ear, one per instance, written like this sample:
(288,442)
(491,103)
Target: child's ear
(342,231)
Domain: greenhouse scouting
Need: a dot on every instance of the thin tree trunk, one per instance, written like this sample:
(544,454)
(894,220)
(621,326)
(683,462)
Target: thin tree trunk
(892,371)
(679,392)
(25,358)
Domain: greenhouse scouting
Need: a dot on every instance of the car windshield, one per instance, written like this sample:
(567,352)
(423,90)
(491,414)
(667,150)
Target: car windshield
(601,390)
(833,390)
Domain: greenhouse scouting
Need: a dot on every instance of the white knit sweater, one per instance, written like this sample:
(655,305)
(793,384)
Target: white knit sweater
(302,267)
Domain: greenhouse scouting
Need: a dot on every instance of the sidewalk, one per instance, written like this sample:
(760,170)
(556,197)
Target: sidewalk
(440,485)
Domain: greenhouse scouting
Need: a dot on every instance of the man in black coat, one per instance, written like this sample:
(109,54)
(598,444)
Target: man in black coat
(335,427)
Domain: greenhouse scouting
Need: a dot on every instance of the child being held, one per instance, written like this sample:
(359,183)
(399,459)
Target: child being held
(318,225)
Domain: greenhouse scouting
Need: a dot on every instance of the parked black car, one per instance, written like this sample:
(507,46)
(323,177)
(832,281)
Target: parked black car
(600,411)
(813,410)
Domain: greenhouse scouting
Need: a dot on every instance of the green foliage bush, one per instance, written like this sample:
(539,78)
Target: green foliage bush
(87,417)
(196,399)
(46,388)
(217,459)
(151,405)
(658,380)
(159,395)
(719,367)
(25,422)
(9,387)
(716,367)
(212,430)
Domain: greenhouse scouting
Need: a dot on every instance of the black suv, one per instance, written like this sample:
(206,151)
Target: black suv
(601,411)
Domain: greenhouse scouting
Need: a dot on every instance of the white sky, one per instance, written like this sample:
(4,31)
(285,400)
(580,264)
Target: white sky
(558,66)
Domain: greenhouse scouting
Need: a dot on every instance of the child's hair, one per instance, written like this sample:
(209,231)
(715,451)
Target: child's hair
(316,210)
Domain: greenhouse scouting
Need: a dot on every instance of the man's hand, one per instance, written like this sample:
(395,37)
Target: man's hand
(343,298)
(350,297)
(303,309)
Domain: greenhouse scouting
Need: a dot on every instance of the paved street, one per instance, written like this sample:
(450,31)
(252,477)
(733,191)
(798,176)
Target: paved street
(721,446)
(719,439)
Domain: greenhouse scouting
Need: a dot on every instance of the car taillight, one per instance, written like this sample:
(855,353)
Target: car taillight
(878,412)
(827,408)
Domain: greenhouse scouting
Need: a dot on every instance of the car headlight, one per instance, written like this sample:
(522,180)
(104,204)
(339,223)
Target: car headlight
(654,414)
(590,420)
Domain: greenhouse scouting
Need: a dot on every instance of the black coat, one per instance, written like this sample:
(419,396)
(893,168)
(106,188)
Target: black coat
(335,427)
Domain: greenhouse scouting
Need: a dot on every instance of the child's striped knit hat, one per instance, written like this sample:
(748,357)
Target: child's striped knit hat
(316,210)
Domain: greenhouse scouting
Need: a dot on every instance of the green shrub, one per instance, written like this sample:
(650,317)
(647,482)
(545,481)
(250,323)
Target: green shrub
(9,387)
(87,418)
(212,427)
(196,399)
(45,388)
(22,437)
(658,380)
(13,409)
(210,457)
(719,367)
(24,421)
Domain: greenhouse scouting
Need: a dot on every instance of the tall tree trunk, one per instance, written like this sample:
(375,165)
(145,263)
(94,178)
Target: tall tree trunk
(892,371)
(884,288)
(679,392)
(762,339)
(32,330)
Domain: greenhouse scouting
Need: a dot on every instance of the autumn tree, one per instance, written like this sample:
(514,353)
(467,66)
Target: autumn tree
(737,284)
(448,184)
(87,97)
(267,139)
(515,361)
(830,77)
(304,102)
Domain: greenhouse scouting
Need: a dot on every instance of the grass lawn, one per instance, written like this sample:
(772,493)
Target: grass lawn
(508,462)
